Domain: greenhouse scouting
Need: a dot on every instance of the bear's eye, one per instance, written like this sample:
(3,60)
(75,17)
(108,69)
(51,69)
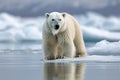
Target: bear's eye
(53,19)
(59,19)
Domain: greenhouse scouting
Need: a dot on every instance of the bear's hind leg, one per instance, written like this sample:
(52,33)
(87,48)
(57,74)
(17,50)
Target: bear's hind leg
(80,49)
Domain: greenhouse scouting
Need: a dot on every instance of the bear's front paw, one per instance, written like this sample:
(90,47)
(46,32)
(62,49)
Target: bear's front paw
(60,57)
(81,55)
(51,58)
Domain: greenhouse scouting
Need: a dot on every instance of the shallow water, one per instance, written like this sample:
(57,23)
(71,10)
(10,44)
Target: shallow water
(60,71)
(23,61)
(82,71)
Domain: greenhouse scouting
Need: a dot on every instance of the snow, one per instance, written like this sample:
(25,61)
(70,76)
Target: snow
(91,19)
(92,58)
(16,29)
(95,34)
(105,48)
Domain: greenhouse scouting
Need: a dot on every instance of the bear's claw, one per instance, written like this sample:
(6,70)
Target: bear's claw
(60,57)
(51,58)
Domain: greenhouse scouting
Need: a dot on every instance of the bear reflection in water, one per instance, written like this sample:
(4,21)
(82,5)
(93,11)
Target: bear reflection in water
(64,71)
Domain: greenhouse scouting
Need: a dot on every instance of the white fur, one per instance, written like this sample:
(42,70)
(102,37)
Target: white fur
(66,41)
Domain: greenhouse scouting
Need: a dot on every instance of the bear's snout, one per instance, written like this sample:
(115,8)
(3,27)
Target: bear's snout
(56,27)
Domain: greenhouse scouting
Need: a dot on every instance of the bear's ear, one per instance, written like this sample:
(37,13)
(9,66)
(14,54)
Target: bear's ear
(63,14)
(46,15)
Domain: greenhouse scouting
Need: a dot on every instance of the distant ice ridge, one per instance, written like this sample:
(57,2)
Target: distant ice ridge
(105,48)
(17,29)
(91,19)
(94,34)
(95,27)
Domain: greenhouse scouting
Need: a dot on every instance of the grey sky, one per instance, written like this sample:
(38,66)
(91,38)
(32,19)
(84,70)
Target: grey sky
(36,6)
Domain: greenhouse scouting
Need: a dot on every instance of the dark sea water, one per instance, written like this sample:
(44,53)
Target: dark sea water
(23,61)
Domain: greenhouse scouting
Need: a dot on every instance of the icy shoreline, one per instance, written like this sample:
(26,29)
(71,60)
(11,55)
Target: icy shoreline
(93,58)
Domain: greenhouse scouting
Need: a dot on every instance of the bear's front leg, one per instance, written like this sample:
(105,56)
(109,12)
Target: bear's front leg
(60,53)
(50,52)
(49,47)
(69,49)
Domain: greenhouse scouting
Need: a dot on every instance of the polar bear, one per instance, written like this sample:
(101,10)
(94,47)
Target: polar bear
(62,37)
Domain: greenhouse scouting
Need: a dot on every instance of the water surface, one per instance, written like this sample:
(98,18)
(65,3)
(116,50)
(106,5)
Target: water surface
(24,62)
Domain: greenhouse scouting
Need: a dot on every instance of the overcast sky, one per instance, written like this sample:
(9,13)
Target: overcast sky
(83,3)
(34,7)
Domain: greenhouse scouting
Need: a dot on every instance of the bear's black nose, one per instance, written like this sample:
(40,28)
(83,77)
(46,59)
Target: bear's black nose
(56,27)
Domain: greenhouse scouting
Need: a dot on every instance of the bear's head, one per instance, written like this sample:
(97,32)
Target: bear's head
(55,21)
